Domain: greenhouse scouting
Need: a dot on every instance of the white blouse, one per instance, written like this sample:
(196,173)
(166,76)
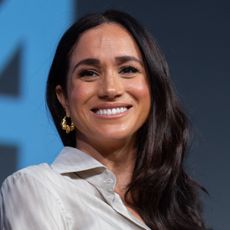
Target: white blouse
(76,192)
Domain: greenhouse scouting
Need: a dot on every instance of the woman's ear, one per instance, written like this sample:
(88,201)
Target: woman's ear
(62,99)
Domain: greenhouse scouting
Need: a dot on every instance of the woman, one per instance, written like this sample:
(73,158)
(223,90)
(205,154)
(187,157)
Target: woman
(125,134)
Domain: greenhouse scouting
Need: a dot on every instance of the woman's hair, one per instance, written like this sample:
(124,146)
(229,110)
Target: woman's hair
(160,190)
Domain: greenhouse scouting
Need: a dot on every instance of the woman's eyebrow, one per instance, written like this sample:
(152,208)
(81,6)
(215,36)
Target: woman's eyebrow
(87,61)
(122,59)
(95,62)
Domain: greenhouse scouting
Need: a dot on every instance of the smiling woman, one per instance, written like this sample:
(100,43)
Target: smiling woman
(107,95)
(124,133)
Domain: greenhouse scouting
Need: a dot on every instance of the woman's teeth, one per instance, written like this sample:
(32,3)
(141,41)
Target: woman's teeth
(112,111)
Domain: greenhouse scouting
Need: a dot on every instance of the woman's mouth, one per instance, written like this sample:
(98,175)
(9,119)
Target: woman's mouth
(112,111)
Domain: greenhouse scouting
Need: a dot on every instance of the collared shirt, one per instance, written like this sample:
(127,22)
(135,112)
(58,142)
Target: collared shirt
(76,192)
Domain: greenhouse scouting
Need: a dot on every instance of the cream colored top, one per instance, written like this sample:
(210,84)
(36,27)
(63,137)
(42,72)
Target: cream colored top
(75,192)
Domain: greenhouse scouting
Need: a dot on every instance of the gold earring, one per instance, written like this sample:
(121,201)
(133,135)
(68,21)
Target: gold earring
(65,126)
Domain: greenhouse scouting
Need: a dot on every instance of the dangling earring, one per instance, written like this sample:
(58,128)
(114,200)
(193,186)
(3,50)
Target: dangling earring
(65,126)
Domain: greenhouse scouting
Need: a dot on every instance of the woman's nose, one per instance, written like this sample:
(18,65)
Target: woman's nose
(111,86)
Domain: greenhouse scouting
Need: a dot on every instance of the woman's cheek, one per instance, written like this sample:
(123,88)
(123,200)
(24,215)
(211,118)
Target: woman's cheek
(139,87)
(81,94)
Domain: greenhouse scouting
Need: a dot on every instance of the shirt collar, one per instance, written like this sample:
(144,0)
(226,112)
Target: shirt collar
(73,160)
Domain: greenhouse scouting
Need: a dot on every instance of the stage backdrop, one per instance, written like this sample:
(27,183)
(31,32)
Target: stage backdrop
(194,36)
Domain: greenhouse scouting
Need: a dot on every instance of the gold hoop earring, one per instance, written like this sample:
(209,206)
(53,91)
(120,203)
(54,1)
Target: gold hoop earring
(65,126)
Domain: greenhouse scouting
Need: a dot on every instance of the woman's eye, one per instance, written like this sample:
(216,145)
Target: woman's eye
(128,70)
(88,74)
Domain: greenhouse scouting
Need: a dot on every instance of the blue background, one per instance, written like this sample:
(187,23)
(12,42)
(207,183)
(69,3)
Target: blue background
(33,27)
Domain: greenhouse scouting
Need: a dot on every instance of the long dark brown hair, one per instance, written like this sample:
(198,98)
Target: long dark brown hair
(161,191)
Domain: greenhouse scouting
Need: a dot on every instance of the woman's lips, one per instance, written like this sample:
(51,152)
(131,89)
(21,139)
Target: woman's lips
(111,110)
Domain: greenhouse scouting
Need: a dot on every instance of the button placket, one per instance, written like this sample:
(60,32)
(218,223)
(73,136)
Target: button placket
(109,181)
(107,186)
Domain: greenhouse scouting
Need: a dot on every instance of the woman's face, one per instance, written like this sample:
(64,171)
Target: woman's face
(108,97)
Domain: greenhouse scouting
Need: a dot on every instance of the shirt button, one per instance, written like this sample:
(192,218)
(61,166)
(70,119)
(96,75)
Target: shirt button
(109,180)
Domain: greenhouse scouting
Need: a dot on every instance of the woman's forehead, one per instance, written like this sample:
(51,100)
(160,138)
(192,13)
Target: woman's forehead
(109,39)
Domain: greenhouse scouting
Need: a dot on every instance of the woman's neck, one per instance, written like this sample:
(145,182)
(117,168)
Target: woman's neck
(118,157)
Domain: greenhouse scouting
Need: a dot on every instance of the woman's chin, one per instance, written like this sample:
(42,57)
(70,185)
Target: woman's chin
(111,139)
(115,135)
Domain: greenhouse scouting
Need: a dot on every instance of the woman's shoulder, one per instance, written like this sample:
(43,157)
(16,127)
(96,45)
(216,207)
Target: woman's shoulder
(28,197)
(31,171)
(39,174)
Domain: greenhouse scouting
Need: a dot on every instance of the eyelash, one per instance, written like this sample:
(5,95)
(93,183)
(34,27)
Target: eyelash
(87,73)
(124,70)
(128,70)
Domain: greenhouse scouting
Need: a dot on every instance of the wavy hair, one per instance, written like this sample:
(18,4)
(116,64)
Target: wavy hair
(160,190)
